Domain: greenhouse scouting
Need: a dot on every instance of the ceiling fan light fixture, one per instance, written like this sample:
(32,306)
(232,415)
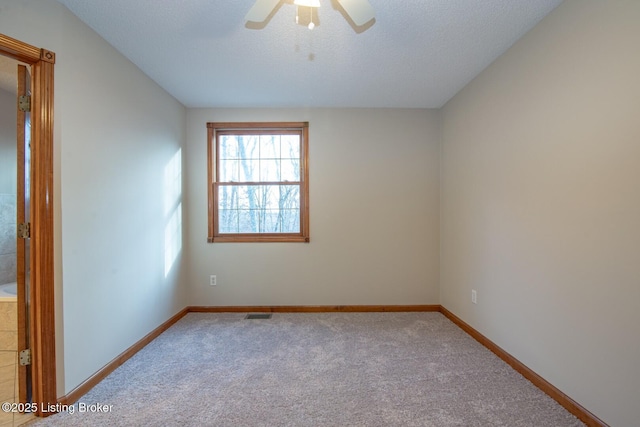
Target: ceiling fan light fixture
(307,3)
(358,12)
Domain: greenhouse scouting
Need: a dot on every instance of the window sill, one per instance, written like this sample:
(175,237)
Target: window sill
(262,238)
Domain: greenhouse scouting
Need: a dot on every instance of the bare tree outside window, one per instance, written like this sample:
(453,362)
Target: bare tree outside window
(258,182)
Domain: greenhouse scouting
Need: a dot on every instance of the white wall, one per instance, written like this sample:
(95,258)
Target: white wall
(374,182)
(541,204)
(115,133)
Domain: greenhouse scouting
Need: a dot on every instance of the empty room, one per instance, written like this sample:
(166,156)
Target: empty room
(320,213)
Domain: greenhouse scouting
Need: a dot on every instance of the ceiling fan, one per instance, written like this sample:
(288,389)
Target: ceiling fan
(360,11)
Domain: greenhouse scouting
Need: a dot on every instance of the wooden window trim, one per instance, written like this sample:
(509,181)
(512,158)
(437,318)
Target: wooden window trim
(213,129)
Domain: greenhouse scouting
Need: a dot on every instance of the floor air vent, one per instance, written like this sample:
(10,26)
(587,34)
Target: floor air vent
(258,316)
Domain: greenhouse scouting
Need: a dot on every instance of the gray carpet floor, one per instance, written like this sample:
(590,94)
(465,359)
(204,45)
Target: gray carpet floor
(328,369)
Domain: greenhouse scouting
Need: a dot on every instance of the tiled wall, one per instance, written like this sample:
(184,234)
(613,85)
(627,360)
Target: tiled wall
(8,358)
(7,238)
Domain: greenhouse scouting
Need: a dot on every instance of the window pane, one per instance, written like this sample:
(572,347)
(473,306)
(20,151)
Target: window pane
(248,196)
(228,147)
(259,209)
(289,209)
(290,170)
(270,221)
(248,221)
(228,221)
(290,146)
(270,170)
(249,170)
(227,197)
(253,158)
(248,147)
(271,196)
(269,146)
(238,196)
(289,197)
(228,171)
(290,220)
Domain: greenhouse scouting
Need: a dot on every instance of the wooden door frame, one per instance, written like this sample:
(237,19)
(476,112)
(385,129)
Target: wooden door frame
(42,314)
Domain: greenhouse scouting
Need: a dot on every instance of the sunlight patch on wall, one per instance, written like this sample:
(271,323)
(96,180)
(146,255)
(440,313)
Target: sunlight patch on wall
(173,182)
(172,239)
(173,211)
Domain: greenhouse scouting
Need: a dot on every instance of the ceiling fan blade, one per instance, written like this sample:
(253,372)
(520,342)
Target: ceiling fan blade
(360,11)
(261,10)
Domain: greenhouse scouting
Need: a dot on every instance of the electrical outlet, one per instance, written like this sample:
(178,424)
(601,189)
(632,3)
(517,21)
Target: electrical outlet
(212,280)
(474,296)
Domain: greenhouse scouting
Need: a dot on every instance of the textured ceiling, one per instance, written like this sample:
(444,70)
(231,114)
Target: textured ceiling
(417,53)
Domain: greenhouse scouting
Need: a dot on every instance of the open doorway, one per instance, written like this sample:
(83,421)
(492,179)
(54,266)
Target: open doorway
(34,271)
(15,250)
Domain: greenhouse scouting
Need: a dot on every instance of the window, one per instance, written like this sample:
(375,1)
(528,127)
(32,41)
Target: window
(258,182)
